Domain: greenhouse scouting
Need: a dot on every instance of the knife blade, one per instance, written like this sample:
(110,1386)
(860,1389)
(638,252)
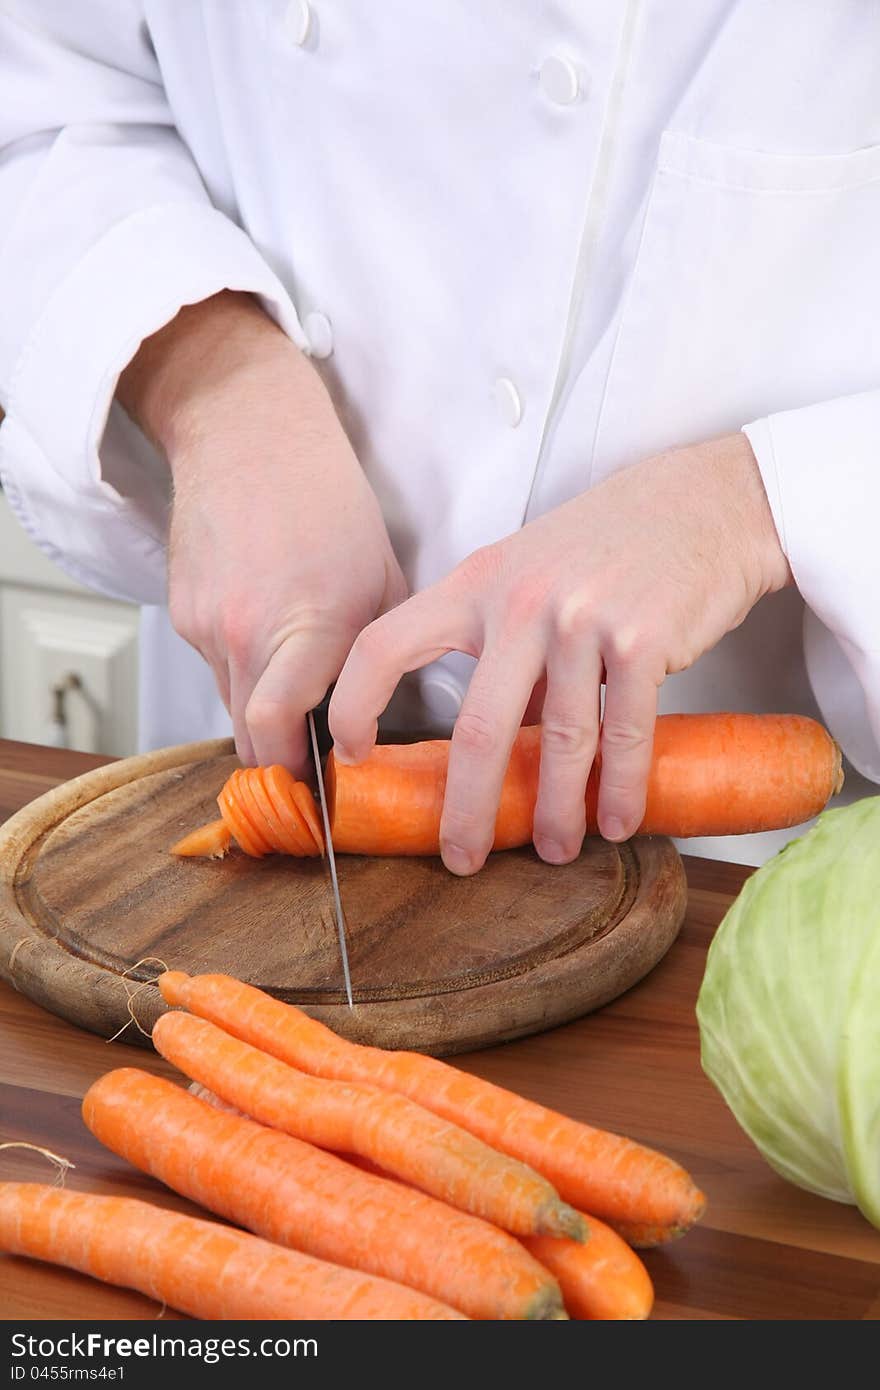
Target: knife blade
(331,858)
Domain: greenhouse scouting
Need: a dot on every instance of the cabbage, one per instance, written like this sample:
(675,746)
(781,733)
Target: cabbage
(789,1008)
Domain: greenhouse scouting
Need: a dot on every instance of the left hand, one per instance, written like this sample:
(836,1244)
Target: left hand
(626,583)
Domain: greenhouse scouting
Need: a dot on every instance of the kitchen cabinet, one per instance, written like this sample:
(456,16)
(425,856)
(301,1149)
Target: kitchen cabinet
(68,656)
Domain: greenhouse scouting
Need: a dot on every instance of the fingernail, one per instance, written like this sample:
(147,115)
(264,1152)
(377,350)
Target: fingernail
(456,859)
(612,828)
(551,851)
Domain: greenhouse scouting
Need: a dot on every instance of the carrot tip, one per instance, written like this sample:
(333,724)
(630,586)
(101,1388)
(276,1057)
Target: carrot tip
(546,1305)
(559,1219)
(174,986)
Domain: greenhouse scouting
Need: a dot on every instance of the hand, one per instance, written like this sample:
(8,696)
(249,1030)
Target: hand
(626,583)
(278,553)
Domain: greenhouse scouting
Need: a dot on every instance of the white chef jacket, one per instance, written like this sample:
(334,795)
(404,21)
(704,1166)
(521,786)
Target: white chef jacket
(528,245)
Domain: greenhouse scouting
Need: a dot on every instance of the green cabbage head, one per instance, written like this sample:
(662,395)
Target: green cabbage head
(789,1009)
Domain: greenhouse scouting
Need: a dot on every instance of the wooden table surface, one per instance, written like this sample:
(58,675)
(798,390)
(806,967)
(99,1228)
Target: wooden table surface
(763,1250)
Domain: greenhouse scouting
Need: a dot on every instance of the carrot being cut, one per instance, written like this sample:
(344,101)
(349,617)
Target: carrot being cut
(595,1171)
(199,1267)
(711,774)
(400,1136)
(299,1196)
(600,1280)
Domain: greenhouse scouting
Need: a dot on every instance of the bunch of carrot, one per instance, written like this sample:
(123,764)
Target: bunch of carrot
(374,1184)
(711,774)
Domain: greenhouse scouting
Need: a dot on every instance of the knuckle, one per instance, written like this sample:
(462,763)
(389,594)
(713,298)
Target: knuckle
(574,618)
(475,733)
(620,737)
(262,714)
(372,644)
(569,739)
(626,644)
(479,569)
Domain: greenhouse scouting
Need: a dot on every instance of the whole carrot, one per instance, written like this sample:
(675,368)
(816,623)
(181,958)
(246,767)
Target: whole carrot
(603,1279)
(401,1137)
(198,1267)
(299,1196)
(711,774)
(595,1171)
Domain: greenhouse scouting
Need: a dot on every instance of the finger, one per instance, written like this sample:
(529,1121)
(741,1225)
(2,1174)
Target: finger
(626,742)
(569,734)
(294,681)
(239,690)
(428,625)
(479,753)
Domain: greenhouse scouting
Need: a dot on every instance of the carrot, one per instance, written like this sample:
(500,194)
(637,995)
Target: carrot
(400,1136)
(605,1174)
(210,841)
(711,774)
(603,1279)
(233,814)
(600,1278)
(198,1267)
(297,1195)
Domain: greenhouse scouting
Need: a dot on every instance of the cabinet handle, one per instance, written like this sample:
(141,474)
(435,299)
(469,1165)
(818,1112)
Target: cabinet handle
(58,734)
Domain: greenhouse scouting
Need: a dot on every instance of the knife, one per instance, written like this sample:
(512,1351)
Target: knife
(331,858)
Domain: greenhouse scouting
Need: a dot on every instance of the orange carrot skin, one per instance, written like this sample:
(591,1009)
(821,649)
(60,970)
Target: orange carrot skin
(711,774)
(604,1174)
(600,1280)
(298,1196)
(199,1267)
(401,1137)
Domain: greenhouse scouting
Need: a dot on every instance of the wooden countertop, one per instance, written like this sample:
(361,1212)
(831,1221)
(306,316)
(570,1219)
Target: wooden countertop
(763,1250)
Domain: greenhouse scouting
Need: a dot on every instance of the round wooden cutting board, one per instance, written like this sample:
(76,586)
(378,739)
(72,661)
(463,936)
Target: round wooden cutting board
(440,964)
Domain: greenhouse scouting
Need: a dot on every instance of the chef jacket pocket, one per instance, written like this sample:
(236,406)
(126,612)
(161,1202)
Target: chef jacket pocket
(756,288)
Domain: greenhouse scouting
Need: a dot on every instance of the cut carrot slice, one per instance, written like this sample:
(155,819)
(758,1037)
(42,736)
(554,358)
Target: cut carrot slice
(251,810)
(230,809)
(305,803)
(283,837)
(281,785)
(210,841)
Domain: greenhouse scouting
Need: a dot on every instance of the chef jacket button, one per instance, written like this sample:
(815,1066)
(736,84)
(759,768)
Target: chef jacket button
(509,402)
(441,697)
(298,21)
(319,334)
(559,80)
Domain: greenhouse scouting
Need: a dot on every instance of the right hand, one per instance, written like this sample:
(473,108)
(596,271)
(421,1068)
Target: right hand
(278,553)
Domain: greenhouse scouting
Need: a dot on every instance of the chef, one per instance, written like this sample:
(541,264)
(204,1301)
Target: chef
(483,358)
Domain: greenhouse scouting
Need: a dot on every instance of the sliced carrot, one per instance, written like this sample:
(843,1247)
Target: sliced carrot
(260,830)
(711,774)
(297,1195)
(605,1174)
(283,838)
(280,785)
(199,1267)
(403,1138)
(305,804)
(211,841)
(233,815)
(602,1279)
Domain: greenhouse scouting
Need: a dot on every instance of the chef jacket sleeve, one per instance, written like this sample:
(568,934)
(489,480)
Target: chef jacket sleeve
(106,230)
(821,469)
